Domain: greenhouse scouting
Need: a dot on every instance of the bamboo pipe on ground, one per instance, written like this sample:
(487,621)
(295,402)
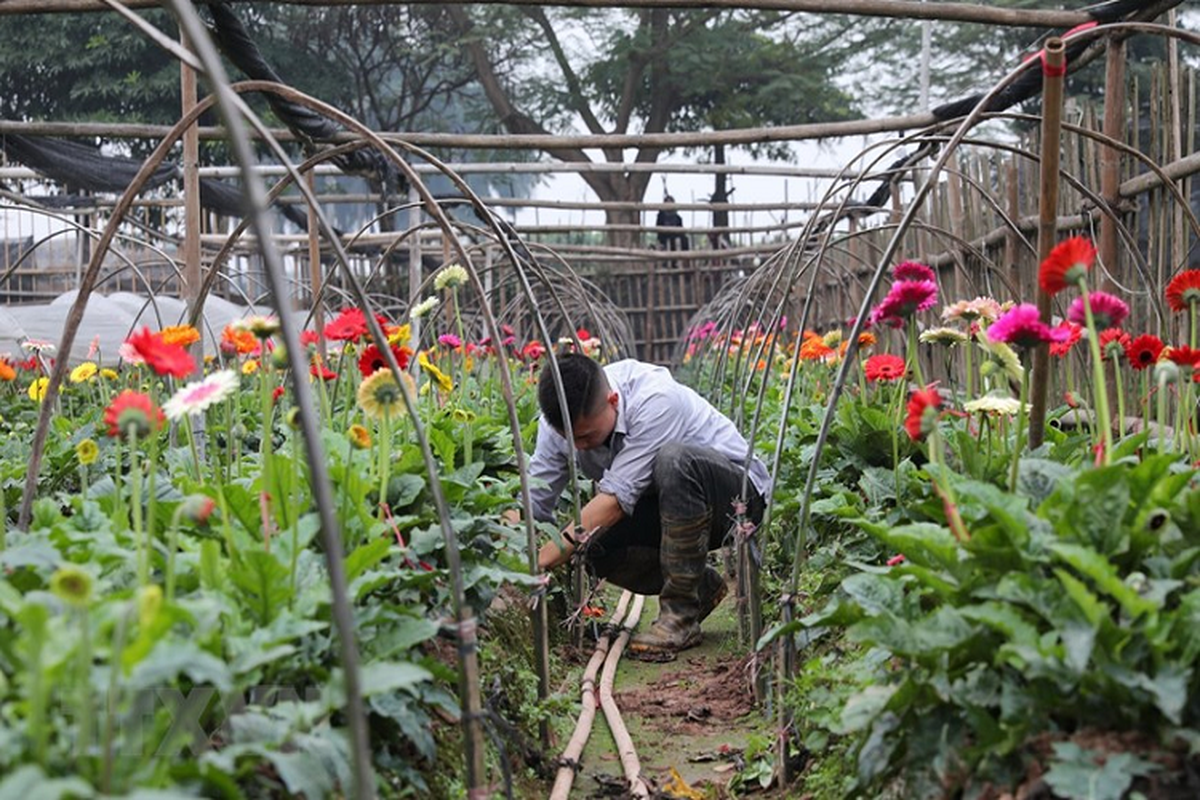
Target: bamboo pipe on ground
(569,760)
(620,734)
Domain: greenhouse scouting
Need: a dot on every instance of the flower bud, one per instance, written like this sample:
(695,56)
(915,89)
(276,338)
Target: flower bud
(197,508)
(1166,372)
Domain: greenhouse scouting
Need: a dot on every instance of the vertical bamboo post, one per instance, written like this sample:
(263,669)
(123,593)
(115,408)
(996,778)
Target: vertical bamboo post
(787,669)
(1110,175)
(314,268)
(414,265)
(1012,241)
(1054,67)
(191,200)
(1174,113)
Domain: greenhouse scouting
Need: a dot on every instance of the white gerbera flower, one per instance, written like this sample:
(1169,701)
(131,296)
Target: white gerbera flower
(994,404)
(449,277)
(199,395)
(424,307)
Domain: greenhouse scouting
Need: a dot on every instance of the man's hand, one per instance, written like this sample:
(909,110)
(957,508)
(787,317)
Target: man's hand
(601,511)
(511,516)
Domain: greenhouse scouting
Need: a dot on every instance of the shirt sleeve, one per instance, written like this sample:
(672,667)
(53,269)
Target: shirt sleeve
(659,418)
(549,469)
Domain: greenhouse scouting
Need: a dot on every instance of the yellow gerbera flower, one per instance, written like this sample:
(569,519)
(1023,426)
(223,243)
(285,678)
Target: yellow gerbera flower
(109,374)
(37,389)
(379,395)
(443,380)
(87,451)
(84,372)
(249,367)
(400,334)
(360,437)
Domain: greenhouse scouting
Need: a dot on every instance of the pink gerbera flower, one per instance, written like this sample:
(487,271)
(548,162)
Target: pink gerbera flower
(913,271)
(199,395)
(1108,311)
(905,299)
(1022,326)
(450,340)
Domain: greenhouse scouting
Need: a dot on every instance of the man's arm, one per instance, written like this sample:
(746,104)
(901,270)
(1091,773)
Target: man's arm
(601,511)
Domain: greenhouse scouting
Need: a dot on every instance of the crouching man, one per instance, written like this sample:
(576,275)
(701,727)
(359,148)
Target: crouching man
(668,469)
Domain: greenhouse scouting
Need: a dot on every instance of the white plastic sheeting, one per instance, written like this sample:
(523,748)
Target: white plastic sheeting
(108,320)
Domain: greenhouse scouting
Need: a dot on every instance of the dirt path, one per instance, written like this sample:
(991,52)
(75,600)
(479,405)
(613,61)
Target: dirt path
(694,714)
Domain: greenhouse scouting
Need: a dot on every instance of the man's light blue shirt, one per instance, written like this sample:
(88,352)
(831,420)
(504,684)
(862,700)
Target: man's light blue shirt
(652,410)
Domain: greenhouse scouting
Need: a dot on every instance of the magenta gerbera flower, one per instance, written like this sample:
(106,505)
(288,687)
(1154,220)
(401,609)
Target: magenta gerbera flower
(1108,311)
(913,271)
(1022,326)
(905,299)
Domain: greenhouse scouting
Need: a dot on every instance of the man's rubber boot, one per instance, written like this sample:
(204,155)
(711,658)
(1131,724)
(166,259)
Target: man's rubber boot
(712,592)
(684,552)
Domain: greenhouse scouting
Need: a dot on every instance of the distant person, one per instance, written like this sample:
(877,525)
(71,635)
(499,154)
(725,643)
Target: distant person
(718,237)
(669,218)
(668,470)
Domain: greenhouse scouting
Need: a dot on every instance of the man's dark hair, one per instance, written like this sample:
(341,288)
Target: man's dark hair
(584,385)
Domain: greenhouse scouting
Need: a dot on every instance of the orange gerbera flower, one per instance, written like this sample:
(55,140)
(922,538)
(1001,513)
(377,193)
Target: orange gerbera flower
(181,335)
(1069,261)
(7,373)
(815,349)
(239,340)
(1183,290)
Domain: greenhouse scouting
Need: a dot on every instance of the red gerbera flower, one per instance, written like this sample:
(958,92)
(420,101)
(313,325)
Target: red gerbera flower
(372,359)
(1069,261)
(163,358)
(533,351)
(319,370)
(1184,356)
(1183,290)
(922,412)
(1113,341)
(309,337)
(1073,334)
(350,325)
(1144,351)
(885,367)
(131,408)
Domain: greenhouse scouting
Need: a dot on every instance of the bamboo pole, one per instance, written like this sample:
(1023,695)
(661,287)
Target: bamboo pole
(902,9)
(569,763)
(314,269)
(625,749)
(1110,157)
(192,279)
(782,133)
(1053,70)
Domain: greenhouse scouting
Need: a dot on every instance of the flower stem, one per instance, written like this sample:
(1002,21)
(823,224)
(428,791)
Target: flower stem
(1019,445)
(83,684)
(1120,395)
(172,541)
(1105,420)
(970,372)
(914,355)
(385,457)
(135,498)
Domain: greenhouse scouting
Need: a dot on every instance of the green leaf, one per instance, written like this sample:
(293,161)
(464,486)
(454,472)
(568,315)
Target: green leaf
(403,489)
(1004,618)
(366,556)
(874,593)
(862,708)
(1096,514)
(175,657)
(28,782)
(1079,774)
(1093,565)
(380,677)
(263,584)
(404,633)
